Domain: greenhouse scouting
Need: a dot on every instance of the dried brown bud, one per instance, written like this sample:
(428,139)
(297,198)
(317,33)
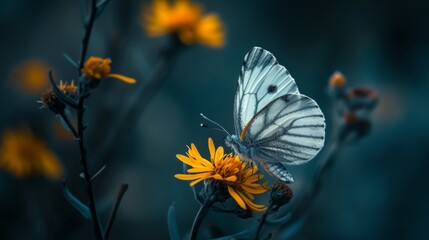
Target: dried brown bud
(281,194)
(50,99)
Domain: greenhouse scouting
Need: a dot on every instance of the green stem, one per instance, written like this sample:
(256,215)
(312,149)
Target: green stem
(204,209)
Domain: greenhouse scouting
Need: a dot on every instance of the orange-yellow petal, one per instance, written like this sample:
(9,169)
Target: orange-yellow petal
(252,205)
(236,197)
(219,153)
(232,178)
(191,176)
(212,149)
(199,169)
(198,180)
(122,78)
(187,160)
(254,190)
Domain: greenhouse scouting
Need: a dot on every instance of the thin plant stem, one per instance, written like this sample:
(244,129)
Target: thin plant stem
(325,165)
(262,222)
(149,90)
(88,29)
(115,208)
(81,127)
(323,168)
(319,176)
(131,116)
(204,209)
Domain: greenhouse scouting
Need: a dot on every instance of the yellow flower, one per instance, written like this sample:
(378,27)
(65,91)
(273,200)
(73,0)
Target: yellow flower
(98,68)
(23,155)
(239,177)
(184,19)
(31,76)
(68,89)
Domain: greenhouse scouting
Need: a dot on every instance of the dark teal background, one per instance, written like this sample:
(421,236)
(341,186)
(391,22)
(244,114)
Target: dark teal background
(377,188)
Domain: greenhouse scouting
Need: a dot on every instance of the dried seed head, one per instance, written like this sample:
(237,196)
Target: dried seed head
(50,99)
(280,195)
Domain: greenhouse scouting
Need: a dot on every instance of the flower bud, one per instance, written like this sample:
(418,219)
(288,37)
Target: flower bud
(280,195)
(337,80)
(50,100)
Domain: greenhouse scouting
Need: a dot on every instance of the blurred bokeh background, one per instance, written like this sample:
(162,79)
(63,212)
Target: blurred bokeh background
(376,190)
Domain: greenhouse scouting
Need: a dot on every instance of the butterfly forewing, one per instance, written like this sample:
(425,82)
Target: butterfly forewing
(262,79)
(290,129)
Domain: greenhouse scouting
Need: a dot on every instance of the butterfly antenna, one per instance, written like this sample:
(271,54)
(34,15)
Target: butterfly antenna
(220,128)
(214,128)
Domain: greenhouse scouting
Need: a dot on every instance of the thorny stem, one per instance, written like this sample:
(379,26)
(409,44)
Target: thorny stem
(80,126)
(112,217)
(204,209)
(88,29)
(262,222)
(85,169)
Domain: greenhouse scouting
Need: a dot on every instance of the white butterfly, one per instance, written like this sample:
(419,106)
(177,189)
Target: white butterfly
(274,123)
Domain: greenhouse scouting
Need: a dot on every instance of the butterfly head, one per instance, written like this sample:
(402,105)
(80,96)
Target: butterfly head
(239,147)
(232,141)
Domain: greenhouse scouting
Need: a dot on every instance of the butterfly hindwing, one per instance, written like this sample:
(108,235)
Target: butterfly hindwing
(290,129)
(262,79)
(278,170)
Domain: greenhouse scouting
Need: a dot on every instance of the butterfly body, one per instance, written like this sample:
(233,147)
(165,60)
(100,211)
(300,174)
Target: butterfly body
(274,124)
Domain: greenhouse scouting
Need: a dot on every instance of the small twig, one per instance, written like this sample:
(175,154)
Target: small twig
(112,217)
(68,123)
(204,209)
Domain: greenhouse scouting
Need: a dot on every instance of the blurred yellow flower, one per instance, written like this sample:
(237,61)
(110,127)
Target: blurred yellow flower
(98,68)
(184,19)
(23,155)
(337,79)
(239,177)
(31,76)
